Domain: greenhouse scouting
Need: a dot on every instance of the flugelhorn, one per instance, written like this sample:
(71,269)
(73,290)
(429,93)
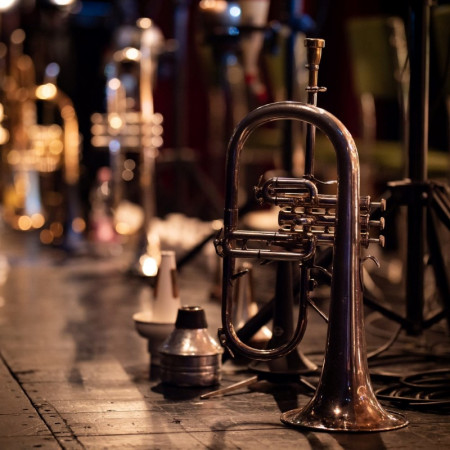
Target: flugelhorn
(344,399)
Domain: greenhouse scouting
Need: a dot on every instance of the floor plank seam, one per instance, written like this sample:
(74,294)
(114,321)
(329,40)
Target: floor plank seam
(57,436)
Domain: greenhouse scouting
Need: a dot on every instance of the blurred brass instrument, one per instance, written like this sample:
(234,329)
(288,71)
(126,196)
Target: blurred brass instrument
(40,145)
(131,125)
(344,399)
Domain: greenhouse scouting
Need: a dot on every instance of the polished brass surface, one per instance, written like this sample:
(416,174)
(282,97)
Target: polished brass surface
(131,125)
(344,400)
(36,149)
(314,54)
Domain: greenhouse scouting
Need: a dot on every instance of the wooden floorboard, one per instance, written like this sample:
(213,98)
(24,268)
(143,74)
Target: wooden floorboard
(74,373)
(20,422)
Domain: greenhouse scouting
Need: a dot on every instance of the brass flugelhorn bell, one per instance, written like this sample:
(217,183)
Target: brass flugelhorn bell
(344,400)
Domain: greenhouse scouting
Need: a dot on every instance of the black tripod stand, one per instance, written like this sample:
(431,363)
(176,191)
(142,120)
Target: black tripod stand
(427,202)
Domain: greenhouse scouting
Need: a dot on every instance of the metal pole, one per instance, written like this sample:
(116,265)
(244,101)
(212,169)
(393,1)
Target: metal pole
(417,157)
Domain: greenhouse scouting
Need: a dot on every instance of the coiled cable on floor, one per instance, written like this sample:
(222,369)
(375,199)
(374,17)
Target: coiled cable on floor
(422,390)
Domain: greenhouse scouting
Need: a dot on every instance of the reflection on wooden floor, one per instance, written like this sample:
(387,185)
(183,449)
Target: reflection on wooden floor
(74,373)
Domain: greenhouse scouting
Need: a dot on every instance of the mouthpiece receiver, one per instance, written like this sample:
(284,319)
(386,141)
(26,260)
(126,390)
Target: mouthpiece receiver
(314,53)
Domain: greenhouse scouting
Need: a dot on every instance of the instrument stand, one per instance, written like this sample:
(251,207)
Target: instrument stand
(296,362)
(431,201)
(253,380)
(291,367)
(426,201)
(297,22)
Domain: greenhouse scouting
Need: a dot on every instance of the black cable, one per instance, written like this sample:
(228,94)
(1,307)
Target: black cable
(387,345)
(422,390)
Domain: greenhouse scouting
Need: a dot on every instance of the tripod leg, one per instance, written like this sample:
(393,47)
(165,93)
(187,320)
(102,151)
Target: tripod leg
(438,263)
(440,202)
(232,388)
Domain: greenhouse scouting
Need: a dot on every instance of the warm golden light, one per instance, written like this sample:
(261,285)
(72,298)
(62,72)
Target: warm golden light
(78,225)
(127,175)
(6,4)
(157,130)
(68,112)
(56,147)
(144,23)
(25,64)
(114,84)
(217,6)
(46,236)
(123,228)
(37,220)
(217,225)
(97,117)
(4,135)
(97,129)
(149,265)
(131,53)
(39,149)
(157,141)
(24,223)
(129,164)
(17,36)
(13,157)
(115,122)
(46,91)
(57,229)
(63,2)
(100,141)
(157,119)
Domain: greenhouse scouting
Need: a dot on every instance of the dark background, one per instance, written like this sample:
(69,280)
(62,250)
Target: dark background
(79,41)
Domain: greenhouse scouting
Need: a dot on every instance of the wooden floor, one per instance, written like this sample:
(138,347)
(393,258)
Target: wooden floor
(75,374)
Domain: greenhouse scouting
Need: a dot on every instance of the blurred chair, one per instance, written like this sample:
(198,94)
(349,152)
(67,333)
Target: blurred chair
(440,20)
(380,72)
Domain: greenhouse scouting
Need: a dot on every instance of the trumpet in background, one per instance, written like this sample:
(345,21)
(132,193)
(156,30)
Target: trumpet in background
(131,125)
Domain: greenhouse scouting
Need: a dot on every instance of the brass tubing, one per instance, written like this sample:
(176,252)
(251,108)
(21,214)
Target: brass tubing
(314,55)
(347,237)
(344,399)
